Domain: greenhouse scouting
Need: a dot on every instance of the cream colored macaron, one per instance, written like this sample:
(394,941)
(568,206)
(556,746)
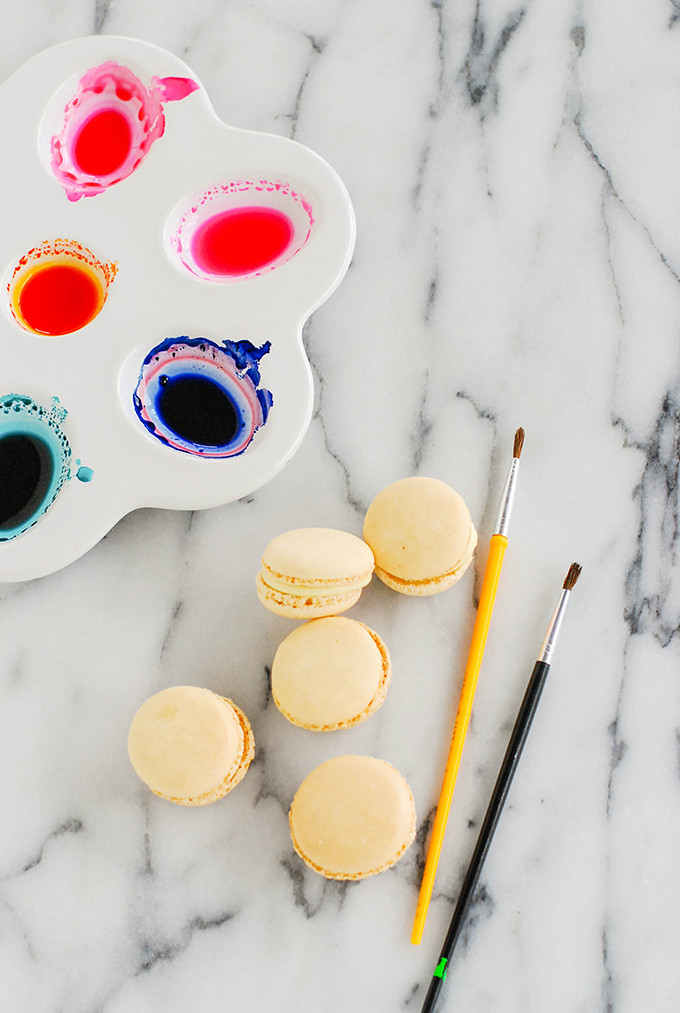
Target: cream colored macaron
(313,572)
(421,534)
(330,673)
(352,817)
(189,745)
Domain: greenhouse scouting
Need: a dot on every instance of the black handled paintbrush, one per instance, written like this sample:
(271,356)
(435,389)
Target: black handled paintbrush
(502,787)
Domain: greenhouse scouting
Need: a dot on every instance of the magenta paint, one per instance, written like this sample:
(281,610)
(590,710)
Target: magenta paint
(174,89)
(114,119)
(267,222)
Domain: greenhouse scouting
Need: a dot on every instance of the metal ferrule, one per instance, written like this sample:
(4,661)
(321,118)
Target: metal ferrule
(507,499)
(554,628)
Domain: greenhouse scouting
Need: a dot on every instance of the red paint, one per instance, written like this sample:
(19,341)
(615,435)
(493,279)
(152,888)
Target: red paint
(241,240)
(103,143)
(59,298)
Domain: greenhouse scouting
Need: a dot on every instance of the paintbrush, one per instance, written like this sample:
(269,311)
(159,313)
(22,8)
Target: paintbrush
(502,787)
(494,564)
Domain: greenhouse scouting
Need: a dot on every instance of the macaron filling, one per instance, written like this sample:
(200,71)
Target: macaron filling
(301,587)
(307,604)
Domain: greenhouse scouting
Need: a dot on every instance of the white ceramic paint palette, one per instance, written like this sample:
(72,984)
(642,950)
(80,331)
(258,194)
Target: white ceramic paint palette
(157,266)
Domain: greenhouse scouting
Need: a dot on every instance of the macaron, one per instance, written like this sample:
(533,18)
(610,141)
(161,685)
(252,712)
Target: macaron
(352,817)
(189,745)
(330,673)
(421,534)
(313,572)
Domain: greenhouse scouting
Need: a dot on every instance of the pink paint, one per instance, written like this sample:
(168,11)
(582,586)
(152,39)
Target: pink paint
(109,126)
(241,240)
(240,229)
(174,89)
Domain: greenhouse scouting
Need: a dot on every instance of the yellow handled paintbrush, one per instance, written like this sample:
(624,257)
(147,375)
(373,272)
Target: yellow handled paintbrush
(494,564)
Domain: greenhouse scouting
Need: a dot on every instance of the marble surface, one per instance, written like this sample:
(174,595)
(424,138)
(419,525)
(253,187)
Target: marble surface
(514,170)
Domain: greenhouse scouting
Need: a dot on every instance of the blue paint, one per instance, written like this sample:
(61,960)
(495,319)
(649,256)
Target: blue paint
(34,461)
(203,398)
(266,400)
(198,409)
(84,474)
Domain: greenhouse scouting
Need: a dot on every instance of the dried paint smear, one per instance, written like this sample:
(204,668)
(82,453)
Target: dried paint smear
(203,398)
(109,126)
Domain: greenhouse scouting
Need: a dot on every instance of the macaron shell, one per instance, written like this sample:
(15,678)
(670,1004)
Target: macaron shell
(431,585)
(329,674)
(231,780)
(306,606)
(352,817)
(420,529)
(318,556)
(187,743)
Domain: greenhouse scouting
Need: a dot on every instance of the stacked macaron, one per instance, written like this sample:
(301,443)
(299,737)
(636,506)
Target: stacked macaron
(313,572)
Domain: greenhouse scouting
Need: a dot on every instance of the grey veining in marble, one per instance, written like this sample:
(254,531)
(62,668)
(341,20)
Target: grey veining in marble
(514,169)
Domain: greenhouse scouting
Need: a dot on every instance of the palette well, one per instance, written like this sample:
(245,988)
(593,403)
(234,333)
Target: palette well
(156,269)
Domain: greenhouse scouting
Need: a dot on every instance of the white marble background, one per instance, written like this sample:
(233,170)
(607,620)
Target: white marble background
(515,169)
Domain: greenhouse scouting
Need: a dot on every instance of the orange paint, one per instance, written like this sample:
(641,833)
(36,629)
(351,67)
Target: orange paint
(59,298)
(59,287)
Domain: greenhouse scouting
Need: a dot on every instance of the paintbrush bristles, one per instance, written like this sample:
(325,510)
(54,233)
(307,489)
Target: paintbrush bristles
(572,576)
(519,443)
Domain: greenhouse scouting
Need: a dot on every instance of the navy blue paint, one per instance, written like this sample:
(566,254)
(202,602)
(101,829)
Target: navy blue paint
(26,470)
(198,410)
